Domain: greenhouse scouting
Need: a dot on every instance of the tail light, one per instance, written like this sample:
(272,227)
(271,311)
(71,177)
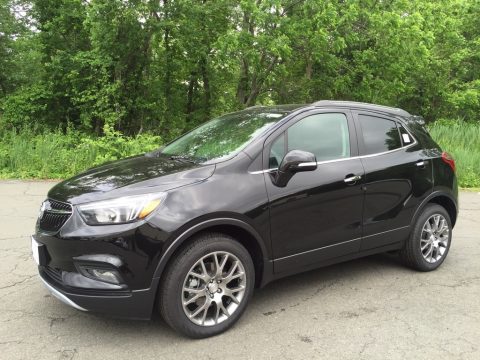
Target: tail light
(448,159)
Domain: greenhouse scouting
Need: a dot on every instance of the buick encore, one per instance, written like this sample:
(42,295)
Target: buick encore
(191,229)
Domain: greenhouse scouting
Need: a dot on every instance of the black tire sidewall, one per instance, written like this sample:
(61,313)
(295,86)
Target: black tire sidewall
(171,289)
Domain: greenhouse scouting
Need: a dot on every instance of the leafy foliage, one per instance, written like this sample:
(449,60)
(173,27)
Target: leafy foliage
(165,66)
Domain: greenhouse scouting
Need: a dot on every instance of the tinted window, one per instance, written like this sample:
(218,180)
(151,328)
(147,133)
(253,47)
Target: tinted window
(379,134)
(406,137)
(277,152)
(325,135)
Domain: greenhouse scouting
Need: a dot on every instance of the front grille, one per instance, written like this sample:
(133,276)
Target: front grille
(54,214)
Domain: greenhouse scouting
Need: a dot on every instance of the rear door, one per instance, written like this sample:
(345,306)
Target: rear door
(398,176)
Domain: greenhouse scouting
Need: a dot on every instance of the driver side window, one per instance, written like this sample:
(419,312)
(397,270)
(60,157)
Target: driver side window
(325,135)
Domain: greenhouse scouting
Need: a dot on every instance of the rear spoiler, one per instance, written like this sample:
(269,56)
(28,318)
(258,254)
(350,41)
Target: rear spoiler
(417,119)
(417,123)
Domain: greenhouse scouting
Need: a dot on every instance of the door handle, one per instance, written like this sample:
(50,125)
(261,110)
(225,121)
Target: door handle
(352,179)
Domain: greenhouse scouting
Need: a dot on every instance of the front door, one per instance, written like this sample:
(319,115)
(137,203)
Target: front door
(317,216)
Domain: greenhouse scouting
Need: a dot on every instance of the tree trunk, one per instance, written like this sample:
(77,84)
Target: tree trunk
(206,87)
(168,66)
(257,83)
(191,90)
(309,69)
(242,87)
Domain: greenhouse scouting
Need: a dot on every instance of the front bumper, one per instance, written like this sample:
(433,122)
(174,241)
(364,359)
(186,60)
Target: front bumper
(61,296)
(68,258)
(137,304)
(131,252)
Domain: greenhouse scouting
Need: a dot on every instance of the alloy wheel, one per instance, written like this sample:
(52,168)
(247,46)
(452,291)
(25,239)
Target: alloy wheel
(434,238)
(213,288)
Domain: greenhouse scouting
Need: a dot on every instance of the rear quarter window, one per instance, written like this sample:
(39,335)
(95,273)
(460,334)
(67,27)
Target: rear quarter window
(407,139)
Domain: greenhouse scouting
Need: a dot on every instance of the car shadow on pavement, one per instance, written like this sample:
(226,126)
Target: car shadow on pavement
(285,292)
(352,273)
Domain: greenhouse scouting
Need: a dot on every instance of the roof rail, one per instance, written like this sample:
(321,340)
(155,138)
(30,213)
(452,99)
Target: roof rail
(362,105)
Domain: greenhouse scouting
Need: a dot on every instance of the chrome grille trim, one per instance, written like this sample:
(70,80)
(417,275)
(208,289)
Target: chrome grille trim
(54,214)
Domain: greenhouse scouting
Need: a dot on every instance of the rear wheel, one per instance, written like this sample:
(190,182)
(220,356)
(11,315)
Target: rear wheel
(207,286)
(429,242)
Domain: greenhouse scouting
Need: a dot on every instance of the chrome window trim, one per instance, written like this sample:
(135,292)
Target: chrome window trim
(343,159)
(398,123)
(391,151)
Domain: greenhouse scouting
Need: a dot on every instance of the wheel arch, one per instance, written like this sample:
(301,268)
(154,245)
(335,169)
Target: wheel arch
(447,201)
(241,231)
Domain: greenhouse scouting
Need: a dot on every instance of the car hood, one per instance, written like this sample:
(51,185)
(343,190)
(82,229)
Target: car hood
(131,176)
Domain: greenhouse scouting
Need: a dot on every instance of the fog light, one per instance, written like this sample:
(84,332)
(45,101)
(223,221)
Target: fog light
(105,275)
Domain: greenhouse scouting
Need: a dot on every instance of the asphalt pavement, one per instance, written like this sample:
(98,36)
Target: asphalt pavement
(372,308)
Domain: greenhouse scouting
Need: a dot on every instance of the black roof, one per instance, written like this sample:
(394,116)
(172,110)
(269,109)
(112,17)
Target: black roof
(280,108)
(331,103)
(361,105)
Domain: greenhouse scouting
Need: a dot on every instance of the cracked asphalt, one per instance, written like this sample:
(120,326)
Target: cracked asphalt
(371,308)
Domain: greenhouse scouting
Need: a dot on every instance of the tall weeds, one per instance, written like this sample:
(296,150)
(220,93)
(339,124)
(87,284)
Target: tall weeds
(55,155)
(462,140)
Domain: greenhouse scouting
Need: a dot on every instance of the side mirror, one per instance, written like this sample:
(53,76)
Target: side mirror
(293,162)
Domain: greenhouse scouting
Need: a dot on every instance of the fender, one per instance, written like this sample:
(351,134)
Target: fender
(433,195)
(203,225)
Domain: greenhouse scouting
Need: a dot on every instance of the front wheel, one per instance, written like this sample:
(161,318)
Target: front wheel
(207,286)
(429,242)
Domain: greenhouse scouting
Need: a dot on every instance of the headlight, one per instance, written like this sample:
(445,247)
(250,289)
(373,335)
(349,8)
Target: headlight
(122,210)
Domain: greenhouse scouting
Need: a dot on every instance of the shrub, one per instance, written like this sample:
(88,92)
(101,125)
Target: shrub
(55,155)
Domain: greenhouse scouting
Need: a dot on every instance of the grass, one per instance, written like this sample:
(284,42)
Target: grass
(462,140)
(54,155)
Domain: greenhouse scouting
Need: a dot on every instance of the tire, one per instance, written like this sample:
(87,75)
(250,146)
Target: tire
(412,254)
(228,294)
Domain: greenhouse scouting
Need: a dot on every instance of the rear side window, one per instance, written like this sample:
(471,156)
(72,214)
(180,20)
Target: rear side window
(379,134)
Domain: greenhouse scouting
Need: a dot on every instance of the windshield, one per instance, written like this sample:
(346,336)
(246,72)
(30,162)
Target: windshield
(223,137)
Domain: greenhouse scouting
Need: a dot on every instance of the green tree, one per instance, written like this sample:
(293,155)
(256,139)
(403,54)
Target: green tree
(165,66)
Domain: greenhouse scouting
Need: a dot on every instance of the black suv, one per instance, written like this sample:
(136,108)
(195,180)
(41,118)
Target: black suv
(247,198)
